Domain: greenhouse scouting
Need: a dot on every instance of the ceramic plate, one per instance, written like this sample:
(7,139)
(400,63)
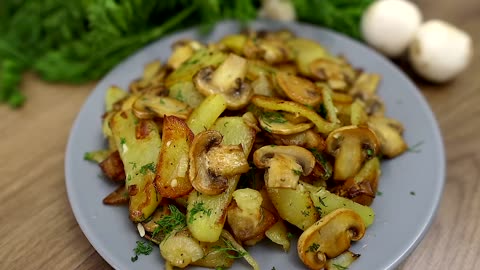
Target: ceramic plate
(411,184)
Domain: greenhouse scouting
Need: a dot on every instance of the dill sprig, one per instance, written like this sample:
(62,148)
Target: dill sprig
(175,220)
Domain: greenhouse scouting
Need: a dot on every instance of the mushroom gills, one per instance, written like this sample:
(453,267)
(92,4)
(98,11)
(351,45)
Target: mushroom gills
(211,163)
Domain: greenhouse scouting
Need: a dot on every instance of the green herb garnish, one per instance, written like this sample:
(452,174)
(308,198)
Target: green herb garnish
(123,141)
(273,117)
(168,223)
(229,248)
(148,167)
(297,172)
(412,193)
(340,267)
(142,248)
(198,207)
(415,148)
(313,247)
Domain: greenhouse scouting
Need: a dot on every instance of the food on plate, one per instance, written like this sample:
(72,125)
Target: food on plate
(258,137)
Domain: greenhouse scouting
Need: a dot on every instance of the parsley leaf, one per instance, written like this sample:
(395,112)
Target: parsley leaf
(142,248)
(148,167)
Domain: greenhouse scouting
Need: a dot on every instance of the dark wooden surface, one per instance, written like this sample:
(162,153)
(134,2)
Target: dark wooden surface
(38,230)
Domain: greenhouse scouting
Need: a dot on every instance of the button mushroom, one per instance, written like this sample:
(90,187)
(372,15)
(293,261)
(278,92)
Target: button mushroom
(329,237)
(389,133)
(298,89)
(211,163)
(350,146)
(284,164)
(228,79)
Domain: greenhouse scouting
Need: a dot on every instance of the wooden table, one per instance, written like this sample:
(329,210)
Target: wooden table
(38,230)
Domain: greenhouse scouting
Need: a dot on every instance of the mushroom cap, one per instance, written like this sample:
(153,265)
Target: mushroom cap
(301,155)
(389,133)
(440,51)
(351,145)
(391,16)
(228,79)
(212,164)
(329,237)
(298,89)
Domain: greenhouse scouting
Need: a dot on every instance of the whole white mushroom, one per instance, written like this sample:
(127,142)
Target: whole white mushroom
(440,51)
(390,25)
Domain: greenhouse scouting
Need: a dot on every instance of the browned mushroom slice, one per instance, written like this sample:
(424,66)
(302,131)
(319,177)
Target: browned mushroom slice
(112,167)
(329,237)
(331,71)
(275,104)
(211,163)
(342,261)
(306,51)
(284,164)
(246,216)
(263,86)
(275,51)
(363,187)
(389,132)
(182,51)
(366,84)
(298,89)
(149,106)
(277,123)
(350,146)
(228,79)
(306,139)
(180,248)
(118,196)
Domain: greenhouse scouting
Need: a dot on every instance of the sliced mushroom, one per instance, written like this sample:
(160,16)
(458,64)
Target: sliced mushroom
(182,51)
(263,86)
(149,106)
(277,123)
(228,79)
(363,187)
(275,104)
(331,71)
(298,89)
(389,132)
(329,237)
(284,164)
(306,139)
(246,216)
(212,163)
(351,145)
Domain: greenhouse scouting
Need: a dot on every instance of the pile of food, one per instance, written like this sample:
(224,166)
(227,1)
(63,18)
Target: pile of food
(260,136)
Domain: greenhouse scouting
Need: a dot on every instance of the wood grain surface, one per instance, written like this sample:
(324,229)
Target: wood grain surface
(39,231)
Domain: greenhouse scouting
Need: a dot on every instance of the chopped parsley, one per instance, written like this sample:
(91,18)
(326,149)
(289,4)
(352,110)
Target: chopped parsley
(379,193)
(180,96)
(229,248)
(320,199)
(198,207)
(297,172)
(322,111)
(289,235)
(313,247)
(142,248)
(162,102)
(273,117)
(134,165)
(340,267)
(168,223)
(415,148)
(123,141)
(369,152)
(323,161)
(148,167)
(412,193)
(305,213)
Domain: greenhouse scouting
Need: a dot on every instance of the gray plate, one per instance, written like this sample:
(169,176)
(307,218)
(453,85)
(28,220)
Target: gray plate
(401,218)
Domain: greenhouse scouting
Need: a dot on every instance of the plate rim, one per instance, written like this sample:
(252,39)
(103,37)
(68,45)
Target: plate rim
(438,139)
